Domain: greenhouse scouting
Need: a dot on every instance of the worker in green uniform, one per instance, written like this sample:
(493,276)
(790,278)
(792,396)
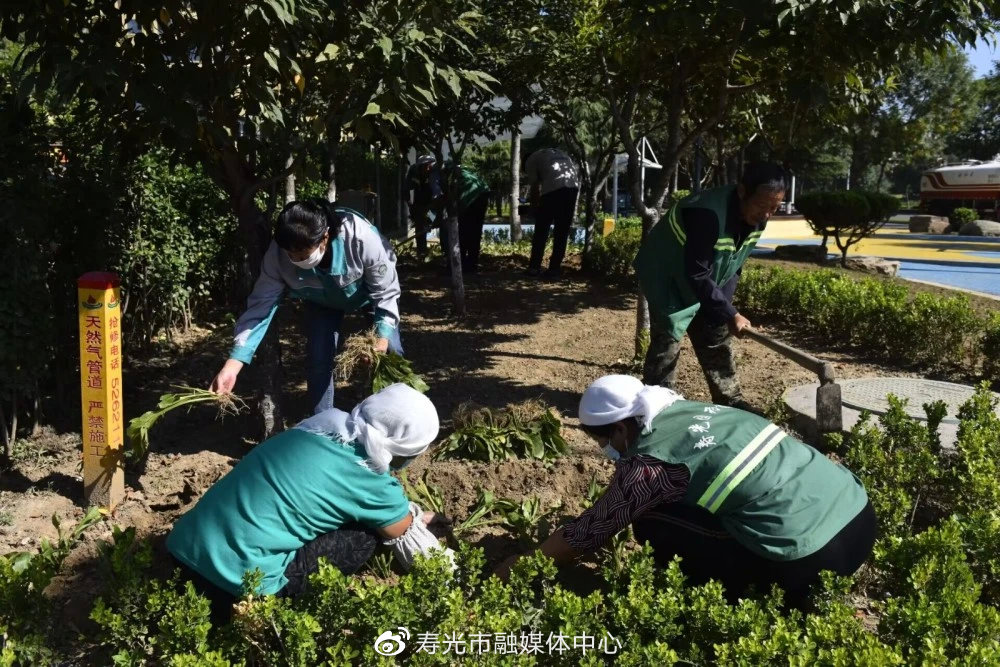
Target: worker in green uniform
(319,490)
(450,189)
(688,268)
(737,498)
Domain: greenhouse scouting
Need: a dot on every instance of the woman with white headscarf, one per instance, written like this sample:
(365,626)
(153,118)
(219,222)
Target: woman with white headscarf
(738,499)
(319,490)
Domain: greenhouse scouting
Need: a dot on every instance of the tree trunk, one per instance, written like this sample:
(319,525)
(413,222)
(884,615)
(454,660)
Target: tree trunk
(455,261)
(331,175)
(515,184)
(11,437)
(378,187)
(587,193)
(881,175)
(36,411)
(401,202)
(650,217)
(290,180)
(236,178)
(8,443)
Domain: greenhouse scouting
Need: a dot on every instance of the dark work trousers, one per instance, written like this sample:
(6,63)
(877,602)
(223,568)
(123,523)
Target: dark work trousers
(346,549)
(713,345)
(709,552)
(470,234)
(421,226)
(555,209)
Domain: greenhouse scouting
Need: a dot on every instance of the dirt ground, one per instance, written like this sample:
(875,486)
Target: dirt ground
(522,339)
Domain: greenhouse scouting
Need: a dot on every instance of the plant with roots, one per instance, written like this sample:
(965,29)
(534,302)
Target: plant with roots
(137,432)
(378,369)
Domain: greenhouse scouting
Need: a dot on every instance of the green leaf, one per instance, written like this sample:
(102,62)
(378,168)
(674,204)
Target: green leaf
(19,561)
(329,53)
(386,45)
(453,81)
(426,93)
(372,109)
(271,60)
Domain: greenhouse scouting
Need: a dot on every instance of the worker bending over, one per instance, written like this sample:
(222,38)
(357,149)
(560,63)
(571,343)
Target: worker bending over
(334,260)
(737,498)
(554,183)
(688,268)
(319,490)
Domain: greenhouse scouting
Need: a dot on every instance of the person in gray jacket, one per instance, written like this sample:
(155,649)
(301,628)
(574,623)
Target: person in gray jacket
(554,185)
(336,261)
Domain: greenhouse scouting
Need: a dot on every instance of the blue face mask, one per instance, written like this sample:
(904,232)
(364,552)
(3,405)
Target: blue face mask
(610,451)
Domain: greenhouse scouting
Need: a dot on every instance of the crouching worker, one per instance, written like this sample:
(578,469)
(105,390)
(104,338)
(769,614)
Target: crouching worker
(319,490)
(734,496)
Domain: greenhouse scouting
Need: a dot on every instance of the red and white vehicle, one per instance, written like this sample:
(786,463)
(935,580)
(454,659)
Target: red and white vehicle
(972,184)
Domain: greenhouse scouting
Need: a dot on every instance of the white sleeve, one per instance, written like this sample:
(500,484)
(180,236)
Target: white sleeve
(417,539)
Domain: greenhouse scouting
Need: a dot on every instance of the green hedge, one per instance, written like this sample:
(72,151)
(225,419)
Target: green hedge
(960,216)
(878,315)
(610,259)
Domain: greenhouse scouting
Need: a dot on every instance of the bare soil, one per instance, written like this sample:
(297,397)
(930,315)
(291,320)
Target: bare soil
(521,339)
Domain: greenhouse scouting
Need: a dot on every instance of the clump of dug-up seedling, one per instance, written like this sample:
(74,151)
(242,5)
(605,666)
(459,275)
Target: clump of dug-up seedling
(377,369)
(518,431)
(137,432)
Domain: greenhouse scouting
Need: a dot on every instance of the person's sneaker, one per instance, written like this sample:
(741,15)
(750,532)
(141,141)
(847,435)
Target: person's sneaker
(533,272)
(552,274)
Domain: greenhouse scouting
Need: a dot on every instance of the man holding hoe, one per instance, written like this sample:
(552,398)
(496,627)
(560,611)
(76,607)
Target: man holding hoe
(688,268)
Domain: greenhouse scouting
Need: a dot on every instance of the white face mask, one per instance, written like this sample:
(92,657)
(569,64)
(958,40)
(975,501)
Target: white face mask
(312,260)
(610,451)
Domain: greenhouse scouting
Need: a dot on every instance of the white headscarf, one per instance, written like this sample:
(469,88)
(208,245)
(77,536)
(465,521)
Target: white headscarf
(397,421)
(613,398)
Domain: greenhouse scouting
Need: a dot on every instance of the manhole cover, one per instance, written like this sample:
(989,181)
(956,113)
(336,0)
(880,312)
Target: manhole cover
(870,394)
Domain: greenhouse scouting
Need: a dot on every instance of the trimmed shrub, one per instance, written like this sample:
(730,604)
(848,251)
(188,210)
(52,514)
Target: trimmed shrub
(848,216)
(991,349)
(611,257)
(877,315)
(961,216)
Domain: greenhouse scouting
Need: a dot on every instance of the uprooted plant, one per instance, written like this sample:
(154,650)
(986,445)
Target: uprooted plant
(377,369)
(138,428)
(521,430)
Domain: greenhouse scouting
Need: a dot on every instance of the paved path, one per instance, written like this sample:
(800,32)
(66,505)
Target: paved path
(966,262)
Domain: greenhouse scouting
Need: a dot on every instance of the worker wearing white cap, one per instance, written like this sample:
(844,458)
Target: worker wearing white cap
(737,498)
(319,490)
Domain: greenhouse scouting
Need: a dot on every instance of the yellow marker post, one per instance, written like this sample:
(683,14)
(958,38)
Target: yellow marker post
(607,226)
(101,388)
